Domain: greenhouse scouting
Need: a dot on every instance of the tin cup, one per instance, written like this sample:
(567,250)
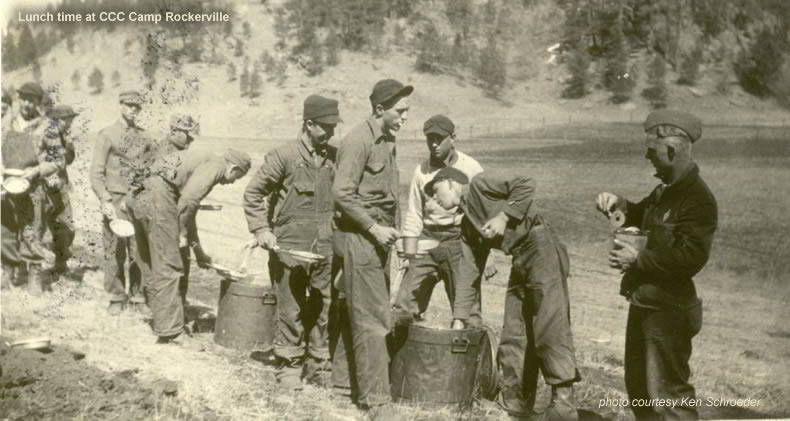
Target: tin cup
(632,236)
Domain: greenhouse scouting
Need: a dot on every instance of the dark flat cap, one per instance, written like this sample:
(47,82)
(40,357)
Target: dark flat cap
(62,111)
(687,122)
(321,109)
(387,89)
(130,97)
(7,98)
(32,89)
(184,122)
(440,125)
(239,159)
(446,173)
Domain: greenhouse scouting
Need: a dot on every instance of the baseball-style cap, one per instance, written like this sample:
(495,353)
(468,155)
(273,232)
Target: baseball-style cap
(184,122)
(440,125)
(446,173)
(62,111)
(387,89)
(239,159)
(130,97)
(31,89)
(687,122)
(321,110)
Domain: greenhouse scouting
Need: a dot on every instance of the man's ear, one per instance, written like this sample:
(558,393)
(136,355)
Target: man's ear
(378,110)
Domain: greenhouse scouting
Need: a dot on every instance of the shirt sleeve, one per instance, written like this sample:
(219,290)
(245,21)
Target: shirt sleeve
(197,187)
(681,251)
(101,152)
(51,156)
(267,180)
(351,159)
(412,220)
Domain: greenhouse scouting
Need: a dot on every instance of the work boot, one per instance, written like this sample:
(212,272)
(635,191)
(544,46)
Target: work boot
(183,340)
(7,276)
(316,372)
(137,304)
(288,374)
(562,406)
(35,280)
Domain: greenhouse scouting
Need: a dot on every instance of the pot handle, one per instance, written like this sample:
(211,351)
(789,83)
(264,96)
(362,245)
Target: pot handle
(459,345)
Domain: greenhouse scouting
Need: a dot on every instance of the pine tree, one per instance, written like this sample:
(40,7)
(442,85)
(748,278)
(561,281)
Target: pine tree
(689,66)
(256,83)
(239,48)
(96,81)
(9,52)
(656,92)
(578,65)
(493,68)
(75,79)
(116,78)
(617,79)
(429,50)
(332,49)
(231,69)
(26,47)
(244,82)
(150,59)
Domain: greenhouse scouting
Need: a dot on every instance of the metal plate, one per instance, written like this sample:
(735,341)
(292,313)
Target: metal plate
(16,185)
(122,228)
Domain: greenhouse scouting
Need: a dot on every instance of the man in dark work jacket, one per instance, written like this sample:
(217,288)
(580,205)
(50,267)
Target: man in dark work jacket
(679,217)
(536,333)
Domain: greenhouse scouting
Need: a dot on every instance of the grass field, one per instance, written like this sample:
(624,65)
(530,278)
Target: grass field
(741,352)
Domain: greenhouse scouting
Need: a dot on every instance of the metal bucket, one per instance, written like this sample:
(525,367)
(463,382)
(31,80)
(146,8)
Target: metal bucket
(246,317)
(436,367)
(632,236)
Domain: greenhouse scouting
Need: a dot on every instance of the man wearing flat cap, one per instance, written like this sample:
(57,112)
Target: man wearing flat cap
(679,217)
(163,212)
(536,334)
(424,218)
(120,150)
(8,101)
(366,193)
(289,205)
(183,129)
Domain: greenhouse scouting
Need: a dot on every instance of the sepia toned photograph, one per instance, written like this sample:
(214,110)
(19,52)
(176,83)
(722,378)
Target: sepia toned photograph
(548,210)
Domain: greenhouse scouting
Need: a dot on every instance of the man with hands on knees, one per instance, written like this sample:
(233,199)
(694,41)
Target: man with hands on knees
(536,335)
(288,204)
(679,218)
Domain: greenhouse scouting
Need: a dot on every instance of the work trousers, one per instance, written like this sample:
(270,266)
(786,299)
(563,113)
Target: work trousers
(59,220)
(303,298)
(366,288)
(657,352)
(537,332)
(155,217)
(423,273)
(343,377)
(119,253)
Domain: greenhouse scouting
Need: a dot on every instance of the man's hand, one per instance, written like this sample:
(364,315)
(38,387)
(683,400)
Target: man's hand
(490,271)
(108,210)
(495,226)
(30,173)
(266,239)
(201,258)
(183,242)
(385,236)
(623,255)
(606,202)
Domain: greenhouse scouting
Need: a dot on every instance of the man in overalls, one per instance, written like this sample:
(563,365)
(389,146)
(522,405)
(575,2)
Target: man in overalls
(366,193)
(119,150)
(536,334)
(288,204)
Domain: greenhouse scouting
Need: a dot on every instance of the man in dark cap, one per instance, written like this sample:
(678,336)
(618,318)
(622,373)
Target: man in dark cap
(163,213)
(680,217)
(536,334)
(424,218)
(119,152)
(7,103)
(289,205)
(366,193)
(183,129)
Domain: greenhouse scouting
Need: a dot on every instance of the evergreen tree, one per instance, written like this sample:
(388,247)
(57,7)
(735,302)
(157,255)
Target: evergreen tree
(26,49)
(116,79)
(96,81)
(150,59)
(75,79)
(578,65)
(332,49)
(656,92)
(429,50)
(689,66)
(9,52)
(617,78)
(256,83)
(238,50)
(493,67)
(244,82)
(231,70)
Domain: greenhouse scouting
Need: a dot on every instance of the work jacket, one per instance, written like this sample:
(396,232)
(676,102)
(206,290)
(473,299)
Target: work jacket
(118,153)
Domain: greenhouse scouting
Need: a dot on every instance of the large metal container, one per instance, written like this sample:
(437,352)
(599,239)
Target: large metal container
(246,317)
(436,367)
(632,236)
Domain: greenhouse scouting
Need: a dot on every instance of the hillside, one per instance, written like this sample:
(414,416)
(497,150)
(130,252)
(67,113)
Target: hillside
(531,97)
